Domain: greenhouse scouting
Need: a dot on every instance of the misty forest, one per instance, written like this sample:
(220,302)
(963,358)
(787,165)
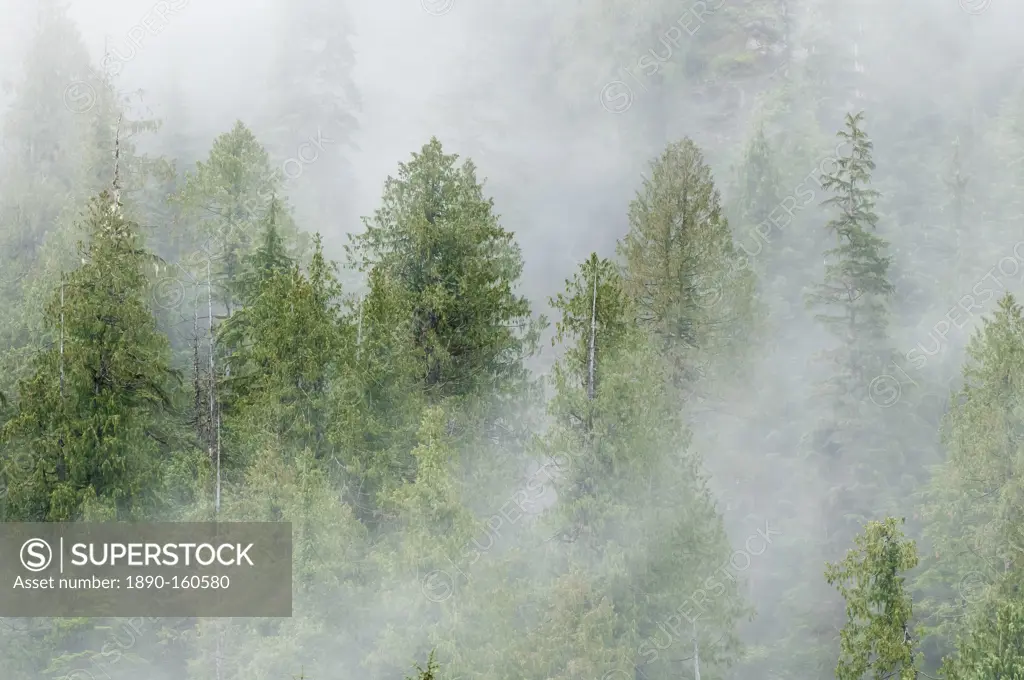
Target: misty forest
(604,340)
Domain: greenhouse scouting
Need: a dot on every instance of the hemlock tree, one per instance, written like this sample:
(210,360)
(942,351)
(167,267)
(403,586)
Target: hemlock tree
(851,445)
(681,266)
(876,638)
(973,505)
(93,420)
(226,199)
(437,237)
(637,530)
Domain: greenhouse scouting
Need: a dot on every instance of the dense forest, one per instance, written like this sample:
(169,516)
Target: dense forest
(761,419)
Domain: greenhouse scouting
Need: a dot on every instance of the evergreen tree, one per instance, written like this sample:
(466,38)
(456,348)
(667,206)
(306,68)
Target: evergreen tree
(680,263)
(853,452)
(94,415)
(227,198)
(287,341)
(876,638)
(377,401)
(437,237)
(633,505)
(993,646)
(973,504)
(59,135)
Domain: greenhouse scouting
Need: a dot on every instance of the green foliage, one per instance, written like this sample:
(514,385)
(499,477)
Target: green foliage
(993,646)
(438,239)
(876,638)
(639,534)
(972,507)
(680,263)
(226,198)
(92,421)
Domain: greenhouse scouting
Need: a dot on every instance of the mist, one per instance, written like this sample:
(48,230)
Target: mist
(564,109)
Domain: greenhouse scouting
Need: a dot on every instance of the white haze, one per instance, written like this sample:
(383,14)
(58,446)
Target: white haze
(481,78)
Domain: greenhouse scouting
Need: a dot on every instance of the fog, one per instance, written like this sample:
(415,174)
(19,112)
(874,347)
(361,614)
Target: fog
(556,108)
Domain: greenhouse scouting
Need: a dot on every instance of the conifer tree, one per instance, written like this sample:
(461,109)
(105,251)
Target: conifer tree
(437,237)
(227,198)
(972,506)
(632,501)
(854,455)
(876,639)
(59,134)
(288,339)
(377,400)
(95,413)
(993,645)
(680,263)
